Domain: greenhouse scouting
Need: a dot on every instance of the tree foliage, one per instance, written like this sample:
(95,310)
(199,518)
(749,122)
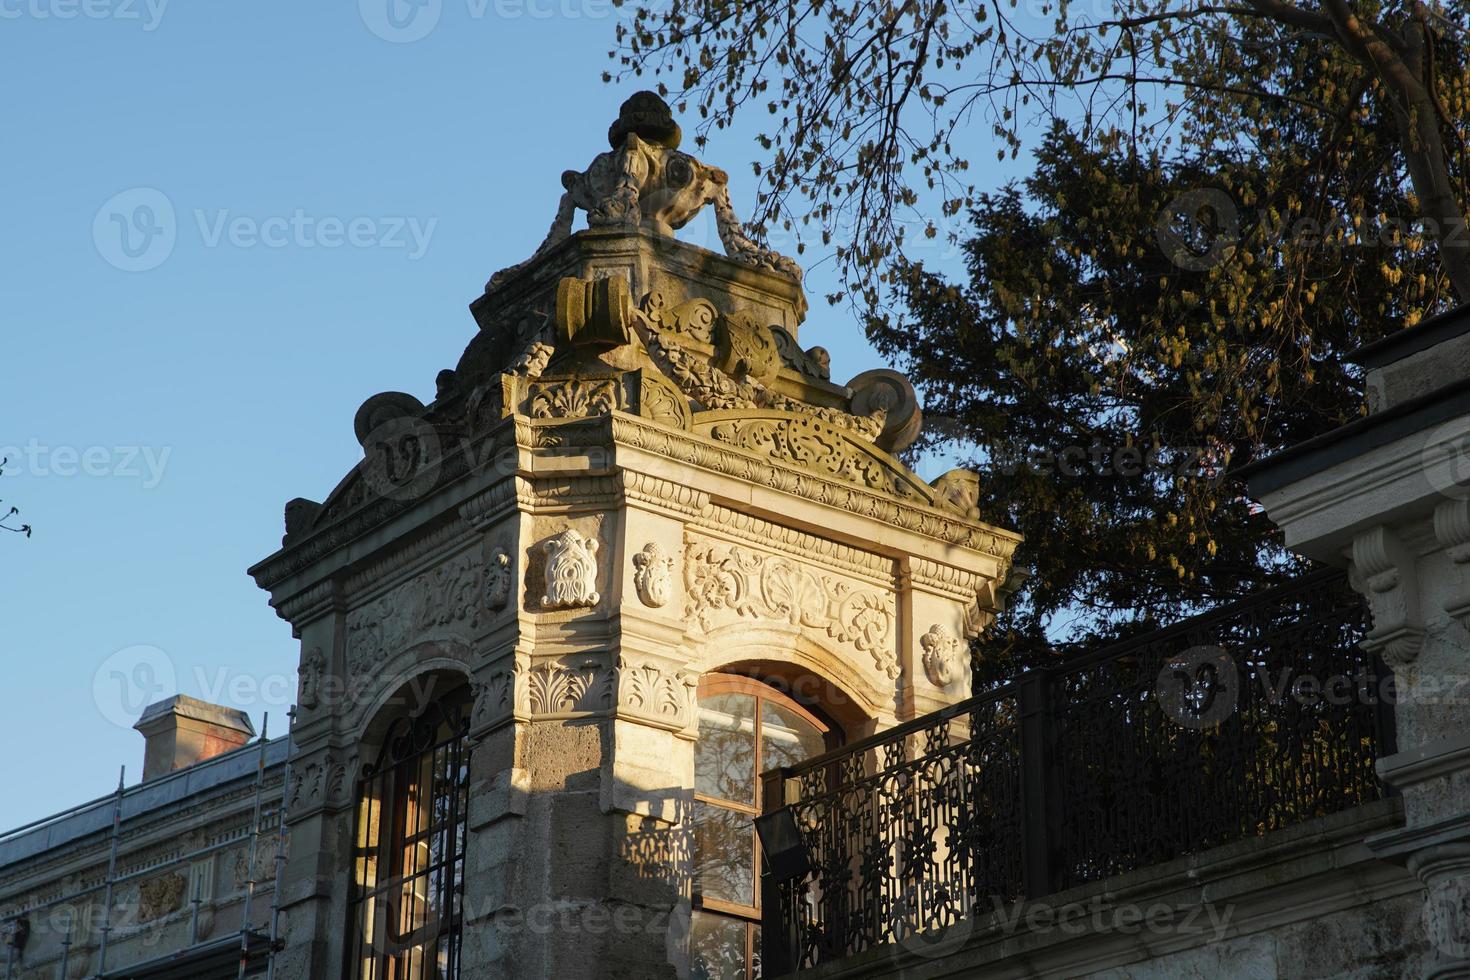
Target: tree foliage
(872,102)
(1226,199)
(1110,390)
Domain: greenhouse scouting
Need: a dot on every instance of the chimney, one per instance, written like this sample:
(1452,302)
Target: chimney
(181,731)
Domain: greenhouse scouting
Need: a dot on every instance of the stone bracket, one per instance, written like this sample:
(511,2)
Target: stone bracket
(1452,531)
(1383,571)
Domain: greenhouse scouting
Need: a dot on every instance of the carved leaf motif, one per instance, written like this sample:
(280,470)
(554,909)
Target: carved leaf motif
(553,688)
(754,584)
(813,444)
(573,399)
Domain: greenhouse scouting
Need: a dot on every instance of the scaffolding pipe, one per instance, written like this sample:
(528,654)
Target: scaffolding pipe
(71,919)
(194,912)
(254,846)
(281,835)
(111,872)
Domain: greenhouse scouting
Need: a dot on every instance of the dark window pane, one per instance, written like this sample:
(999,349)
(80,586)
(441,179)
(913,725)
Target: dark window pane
(724,756)
(787,738)
(724,859)
(716,947)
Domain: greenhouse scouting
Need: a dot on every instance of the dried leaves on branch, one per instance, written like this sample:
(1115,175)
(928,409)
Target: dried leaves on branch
(874,108)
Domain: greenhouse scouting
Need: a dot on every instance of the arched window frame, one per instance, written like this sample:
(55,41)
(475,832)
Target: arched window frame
(405,853)
(713,685)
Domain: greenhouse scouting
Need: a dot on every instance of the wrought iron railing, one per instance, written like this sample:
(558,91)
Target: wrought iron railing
(1176,741)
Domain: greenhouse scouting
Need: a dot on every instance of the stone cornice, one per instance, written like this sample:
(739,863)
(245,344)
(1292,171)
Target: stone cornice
(378,573)
(748,466)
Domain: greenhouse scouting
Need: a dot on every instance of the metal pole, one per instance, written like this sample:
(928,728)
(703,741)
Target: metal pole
(71,919)
(281,835)
(194,913)
(254,843)
(111,873)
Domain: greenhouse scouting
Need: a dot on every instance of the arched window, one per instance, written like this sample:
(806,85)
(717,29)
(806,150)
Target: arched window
(745,728)
(408,848)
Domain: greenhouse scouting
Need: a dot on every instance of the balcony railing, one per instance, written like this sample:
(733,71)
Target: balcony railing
(1248,719)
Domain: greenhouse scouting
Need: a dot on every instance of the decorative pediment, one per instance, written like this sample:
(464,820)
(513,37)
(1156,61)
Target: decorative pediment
(816,445)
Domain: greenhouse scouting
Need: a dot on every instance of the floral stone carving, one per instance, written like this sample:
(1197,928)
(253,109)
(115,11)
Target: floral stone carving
(571,571)
(941,655)
(653,575)
(442,603)
(756,585)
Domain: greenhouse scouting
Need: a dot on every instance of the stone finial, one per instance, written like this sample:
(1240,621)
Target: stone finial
(646,184)
(649,117)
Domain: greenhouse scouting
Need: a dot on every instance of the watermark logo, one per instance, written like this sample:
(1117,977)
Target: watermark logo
(401,21)
(136,229)
(148,13)
(401,458)
(1199,229)
(130,680)
(1445,459)
(1199,687)
(937,941)
(38,460)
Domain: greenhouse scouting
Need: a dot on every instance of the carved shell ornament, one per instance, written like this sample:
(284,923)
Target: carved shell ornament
(653,575)
(941,655)
(571,571)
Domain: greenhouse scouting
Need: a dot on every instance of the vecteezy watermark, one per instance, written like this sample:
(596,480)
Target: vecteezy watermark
(148,13)
(1445,459)
(144,463)
(130,680)
(1199,687)
(1098,915)
(1203,227)
(137,229)
(1204,685)
(1199,229)
(1097,459)
(406,21)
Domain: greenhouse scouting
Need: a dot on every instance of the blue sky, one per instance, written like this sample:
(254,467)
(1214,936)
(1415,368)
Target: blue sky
(340,186)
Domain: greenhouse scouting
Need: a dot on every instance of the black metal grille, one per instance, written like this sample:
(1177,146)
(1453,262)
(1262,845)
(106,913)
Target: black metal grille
(408,856)
(1177,741)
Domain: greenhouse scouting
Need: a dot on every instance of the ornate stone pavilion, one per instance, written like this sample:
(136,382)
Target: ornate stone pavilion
(639,548)
(637,518)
